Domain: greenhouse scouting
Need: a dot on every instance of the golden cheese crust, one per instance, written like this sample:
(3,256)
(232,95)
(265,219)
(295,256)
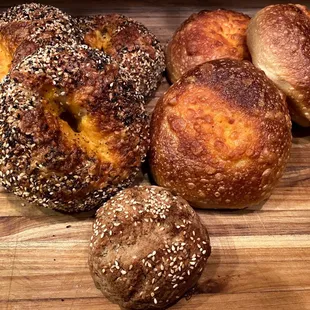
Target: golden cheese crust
(147,249)
(131,44)
(206,36)
(221,136)
(279,41)
(70,135)
(26,27)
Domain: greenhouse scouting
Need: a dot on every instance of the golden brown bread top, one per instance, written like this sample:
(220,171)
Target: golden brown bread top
(279,41)
(147,249)
(71,135)
(205,36)
(220,136)
(132,45)
(26,27)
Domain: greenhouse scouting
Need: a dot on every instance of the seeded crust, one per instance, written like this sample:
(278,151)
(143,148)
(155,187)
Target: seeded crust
(147,249)
(25,28)
(221,136)
(279,41)
(132,45)
(206,36)
(71,136)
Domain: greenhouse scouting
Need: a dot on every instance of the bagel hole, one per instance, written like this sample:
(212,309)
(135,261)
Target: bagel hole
(99,39)
(5,59)
(71,120)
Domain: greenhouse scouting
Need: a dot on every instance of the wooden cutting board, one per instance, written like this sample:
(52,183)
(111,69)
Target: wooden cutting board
(260,256)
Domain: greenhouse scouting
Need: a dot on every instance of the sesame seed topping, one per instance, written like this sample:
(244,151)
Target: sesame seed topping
(45,184)
(144,63)
(169,258)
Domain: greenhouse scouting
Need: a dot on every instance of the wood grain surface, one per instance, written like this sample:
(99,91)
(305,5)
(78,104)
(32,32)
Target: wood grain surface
(260,256)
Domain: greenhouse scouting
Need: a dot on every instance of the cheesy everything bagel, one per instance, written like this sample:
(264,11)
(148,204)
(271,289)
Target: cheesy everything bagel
(25,28)
(70,135)
(131,44)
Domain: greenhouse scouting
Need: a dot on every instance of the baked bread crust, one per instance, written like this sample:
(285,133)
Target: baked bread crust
(70,135)
(132,45)
(221,136)
(279,41)
(26,27)
(206,36)
(147,249)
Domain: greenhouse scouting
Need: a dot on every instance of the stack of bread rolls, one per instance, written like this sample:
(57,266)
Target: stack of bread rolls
(221,135)
(74,130)
(220,138)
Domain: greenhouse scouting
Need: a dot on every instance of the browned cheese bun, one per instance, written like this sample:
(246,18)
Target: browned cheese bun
(279,41)
(70,135)
(205,36)
(26,27)
(221,136)
(147,249)
(132,45)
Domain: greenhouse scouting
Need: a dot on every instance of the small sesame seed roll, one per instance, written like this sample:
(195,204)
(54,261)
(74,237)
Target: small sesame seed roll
(71,136)
(132,45)
(148,248)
